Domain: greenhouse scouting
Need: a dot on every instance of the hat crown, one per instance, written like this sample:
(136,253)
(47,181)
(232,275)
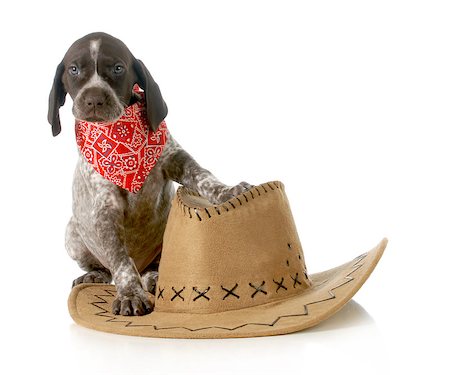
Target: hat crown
(242,253)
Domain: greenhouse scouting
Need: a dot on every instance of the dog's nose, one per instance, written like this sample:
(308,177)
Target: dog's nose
(94,98)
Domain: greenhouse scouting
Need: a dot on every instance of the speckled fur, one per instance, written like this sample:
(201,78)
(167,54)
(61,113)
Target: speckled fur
(112,229)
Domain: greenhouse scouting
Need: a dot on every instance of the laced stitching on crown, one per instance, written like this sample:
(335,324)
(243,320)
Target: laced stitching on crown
(240,200)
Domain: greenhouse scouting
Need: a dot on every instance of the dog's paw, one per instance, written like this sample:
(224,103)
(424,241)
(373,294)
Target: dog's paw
(149,280)
(135,304)
(97,276)
(240,188)
(230,192)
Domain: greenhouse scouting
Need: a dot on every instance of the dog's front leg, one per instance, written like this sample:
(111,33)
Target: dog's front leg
(108,220)
(181,167)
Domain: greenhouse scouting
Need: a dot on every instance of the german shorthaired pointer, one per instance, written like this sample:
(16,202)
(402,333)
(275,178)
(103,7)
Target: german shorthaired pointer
(113,231)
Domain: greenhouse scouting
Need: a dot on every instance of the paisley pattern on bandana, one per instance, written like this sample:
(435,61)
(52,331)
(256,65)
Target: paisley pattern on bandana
(124,152)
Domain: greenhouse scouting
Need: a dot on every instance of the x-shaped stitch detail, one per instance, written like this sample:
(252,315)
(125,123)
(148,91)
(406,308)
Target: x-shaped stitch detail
(258,288)
(230,292)
(160,294)
(296,281)
(279,284)
(177,294)
(201,294)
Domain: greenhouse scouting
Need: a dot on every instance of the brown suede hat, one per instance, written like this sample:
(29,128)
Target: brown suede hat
(231,270)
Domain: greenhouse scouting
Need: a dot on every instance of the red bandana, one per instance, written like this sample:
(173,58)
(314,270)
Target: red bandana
(124,152)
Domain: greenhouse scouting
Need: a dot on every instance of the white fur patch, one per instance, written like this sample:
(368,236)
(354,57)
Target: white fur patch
(94,48)
(95,80)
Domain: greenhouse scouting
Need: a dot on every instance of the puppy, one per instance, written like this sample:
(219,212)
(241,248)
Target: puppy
(114,234)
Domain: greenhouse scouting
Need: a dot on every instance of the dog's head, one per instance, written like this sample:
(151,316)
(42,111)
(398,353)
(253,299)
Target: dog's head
(99,72)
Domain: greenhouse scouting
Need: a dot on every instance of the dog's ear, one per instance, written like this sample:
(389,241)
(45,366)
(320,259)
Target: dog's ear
(56,100)
(156,107)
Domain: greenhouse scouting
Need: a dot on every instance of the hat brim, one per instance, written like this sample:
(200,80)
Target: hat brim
(90,306)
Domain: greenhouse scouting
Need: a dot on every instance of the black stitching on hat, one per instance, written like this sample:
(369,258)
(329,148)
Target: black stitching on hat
(160,294)
(289,246)
(102,301)
(258,288)
(279,284)
(230,292)
(296,281)
(287,262)
(272,185)
(358,258)
(177,294)
(201,294)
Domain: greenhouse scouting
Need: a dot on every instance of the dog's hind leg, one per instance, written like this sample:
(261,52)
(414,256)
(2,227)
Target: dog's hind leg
(78,251)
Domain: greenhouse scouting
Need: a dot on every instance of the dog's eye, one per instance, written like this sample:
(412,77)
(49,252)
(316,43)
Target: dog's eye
(118,69)
(74,70)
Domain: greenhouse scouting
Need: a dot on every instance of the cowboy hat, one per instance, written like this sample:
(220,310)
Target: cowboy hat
(230,270)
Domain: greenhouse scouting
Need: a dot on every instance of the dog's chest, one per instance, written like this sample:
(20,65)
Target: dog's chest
(144,213)
(145,219)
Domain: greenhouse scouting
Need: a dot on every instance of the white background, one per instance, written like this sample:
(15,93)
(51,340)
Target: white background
(346,102)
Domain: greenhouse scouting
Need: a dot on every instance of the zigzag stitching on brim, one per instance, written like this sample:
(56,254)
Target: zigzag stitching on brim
(128,323)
